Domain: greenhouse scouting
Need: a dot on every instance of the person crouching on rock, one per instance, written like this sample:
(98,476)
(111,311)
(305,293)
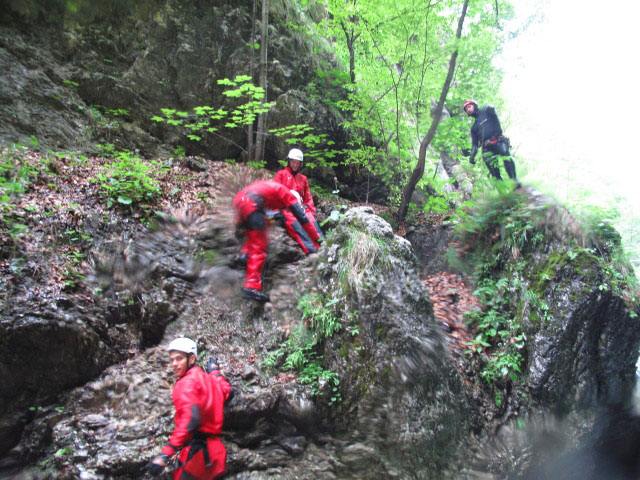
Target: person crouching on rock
(199,399)
(250,204)
(295,181)
(295,231)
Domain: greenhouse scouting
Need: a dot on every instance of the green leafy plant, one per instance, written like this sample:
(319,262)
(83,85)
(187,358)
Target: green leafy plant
(62,452)
(179,151)
(300,351)
(316,146)
(206,119)
(129,180)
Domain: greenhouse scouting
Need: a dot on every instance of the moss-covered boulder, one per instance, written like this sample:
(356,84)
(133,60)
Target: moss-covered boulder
(402,398)
(559,329)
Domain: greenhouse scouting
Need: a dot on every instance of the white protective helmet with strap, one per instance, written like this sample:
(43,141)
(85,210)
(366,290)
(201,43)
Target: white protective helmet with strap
(184,345)
(295,154)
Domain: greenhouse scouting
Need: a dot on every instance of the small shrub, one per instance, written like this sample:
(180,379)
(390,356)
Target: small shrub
(300,351)
(129,180)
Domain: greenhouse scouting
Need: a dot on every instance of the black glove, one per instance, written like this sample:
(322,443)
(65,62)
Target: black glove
(232,394)
(238,233)
(212,364)
(156,468)
(472,160)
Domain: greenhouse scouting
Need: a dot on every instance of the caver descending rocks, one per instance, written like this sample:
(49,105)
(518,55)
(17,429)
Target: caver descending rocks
(198,398)
(487,133)
(295,181)
(250,204)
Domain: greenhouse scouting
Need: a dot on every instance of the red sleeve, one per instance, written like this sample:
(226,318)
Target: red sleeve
(279,177)
(225,386)
(287,197)
(186,394)
(307,199)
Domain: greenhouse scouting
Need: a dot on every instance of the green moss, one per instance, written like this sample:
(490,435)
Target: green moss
(534,318)
(385,375)
(548,270)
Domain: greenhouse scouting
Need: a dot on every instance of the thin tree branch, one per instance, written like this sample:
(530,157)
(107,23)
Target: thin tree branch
(419,170)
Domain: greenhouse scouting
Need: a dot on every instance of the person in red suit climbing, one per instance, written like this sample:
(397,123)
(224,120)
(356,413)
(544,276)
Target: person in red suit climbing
(250,204)
(291,178)
(199,400)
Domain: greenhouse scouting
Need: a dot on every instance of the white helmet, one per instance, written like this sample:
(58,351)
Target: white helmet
(295,154)
(297,195)
(185,345)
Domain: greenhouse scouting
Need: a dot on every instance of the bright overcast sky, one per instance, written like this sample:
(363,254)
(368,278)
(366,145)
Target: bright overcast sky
(572,85)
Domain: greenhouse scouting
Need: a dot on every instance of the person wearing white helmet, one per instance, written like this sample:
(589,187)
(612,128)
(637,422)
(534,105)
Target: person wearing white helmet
(295,181)
(199,399)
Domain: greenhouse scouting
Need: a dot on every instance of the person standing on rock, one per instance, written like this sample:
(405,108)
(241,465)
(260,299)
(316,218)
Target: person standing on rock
(295,181)
(487,133)
(199,399)
(250,204)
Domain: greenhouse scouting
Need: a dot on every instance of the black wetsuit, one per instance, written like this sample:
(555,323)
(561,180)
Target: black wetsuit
(486,133)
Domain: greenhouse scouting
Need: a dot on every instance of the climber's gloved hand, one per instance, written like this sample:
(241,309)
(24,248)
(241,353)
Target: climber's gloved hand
(278,218)
(238,233)
(472,160)
(212,364)
(156,464)
(320,240)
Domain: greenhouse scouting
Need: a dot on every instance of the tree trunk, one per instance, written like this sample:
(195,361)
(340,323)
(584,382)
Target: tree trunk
(351,38)
(419,170)
(250,153)
(262,117)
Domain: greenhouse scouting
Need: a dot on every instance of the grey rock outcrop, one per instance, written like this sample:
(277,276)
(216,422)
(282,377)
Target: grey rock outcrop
(72,78)
(403,394)
(402,409)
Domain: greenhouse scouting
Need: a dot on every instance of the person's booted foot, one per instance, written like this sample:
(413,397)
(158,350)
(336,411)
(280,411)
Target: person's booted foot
(255,295)
(238,261)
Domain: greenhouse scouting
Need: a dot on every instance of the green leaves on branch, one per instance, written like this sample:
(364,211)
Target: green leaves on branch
(206,119)
(316,146)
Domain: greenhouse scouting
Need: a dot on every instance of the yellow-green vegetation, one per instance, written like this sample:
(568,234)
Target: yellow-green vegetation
(300,351)
(363,255)
(15,176)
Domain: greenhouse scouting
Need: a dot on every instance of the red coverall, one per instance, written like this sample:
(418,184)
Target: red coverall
(250,204)
(199,401)
(298,182)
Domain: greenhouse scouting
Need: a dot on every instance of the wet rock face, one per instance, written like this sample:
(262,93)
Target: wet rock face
(431,248)
(402,410)
(66,74)
(75,353)
(404,398)
(567,294)
(585,353)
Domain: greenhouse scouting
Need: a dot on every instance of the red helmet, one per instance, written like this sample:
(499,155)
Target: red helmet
(469,102)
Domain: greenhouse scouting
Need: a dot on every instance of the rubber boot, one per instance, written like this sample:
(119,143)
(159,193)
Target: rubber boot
(510,167)
(491,163)
(255,295)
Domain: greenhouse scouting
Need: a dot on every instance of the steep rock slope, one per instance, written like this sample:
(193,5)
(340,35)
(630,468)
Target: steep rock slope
(396,380)
(97,73)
